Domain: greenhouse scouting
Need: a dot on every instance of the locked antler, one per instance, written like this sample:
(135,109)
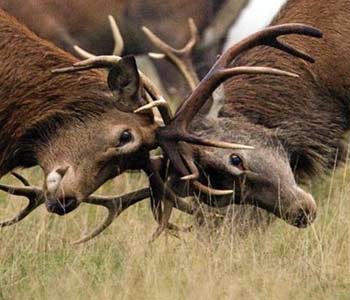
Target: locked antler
(181,58)
(177,130)
(156,100)
(181,156)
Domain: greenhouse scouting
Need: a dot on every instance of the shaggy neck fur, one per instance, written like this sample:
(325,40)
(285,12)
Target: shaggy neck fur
(34,103)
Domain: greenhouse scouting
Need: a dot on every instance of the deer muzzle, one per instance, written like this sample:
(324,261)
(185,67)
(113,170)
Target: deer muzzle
(303,211)
(57,201)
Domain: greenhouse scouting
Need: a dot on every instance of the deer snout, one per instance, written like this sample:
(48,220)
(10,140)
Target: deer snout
(58,200)
(303,212)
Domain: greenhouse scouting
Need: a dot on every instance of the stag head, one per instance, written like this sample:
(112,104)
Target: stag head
(84,155)
(262,177)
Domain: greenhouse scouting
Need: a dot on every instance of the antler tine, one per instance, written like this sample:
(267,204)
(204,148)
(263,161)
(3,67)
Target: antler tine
(23,213)
(157,100)
(33,194)
(21,178)
(115,206)
(83,53)
(268,37)
(117,37)
(197,185)
(24,191)
(181,58)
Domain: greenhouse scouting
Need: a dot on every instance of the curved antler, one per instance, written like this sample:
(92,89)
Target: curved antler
(158,193)
(177,131)
(181,58)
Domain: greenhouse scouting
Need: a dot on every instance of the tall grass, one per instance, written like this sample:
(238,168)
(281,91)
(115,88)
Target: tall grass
(282,262)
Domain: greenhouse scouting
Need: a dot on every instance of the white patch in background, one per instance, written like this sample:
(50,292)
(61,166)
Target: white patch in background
(256,15)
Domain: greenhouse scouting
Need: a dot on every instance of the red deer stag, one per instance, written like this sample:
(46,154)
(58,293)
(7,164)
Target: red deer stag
(169,137)
(80,132)
(296,126)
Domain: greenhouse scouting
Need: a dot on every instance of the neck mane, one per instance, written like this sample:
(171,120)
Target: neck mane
(34,103)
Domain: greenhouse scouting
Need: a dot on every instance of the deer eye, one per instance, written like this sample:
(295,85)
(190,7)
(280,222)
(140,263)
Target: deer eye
(236,161)
(124,138)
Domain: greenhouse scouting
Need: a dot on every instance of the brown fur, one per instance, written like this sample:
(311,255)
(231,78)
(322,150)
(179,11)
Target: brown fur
(33,101)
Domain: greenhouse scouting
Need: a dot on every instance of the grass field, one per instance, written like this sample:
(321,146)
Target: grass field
(38,262)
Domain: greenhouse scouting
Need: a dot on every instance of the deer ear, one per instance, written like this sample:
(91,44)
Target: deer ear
(125,83)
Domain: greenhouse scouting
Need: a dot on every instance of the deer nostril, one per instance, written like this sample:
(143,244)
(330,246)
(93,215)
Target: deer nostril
(304,218)
(62,206)
(62,171)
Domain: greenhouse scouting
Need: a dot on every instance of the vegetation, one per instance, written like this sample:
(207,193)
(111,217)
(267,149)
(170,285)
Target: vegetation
(282,262)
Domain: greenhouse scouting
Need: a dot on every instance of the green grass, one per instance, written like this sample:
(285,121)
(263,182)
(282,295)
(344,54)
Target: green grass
(37,260)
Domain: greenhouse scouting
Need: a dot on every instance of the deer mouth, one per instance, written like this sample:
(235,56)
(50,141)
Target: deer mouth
(62,206)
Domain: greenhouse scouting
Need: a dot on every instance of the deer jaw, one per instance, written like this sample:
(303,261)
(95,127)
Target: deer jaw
(264,178)
(85,155)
